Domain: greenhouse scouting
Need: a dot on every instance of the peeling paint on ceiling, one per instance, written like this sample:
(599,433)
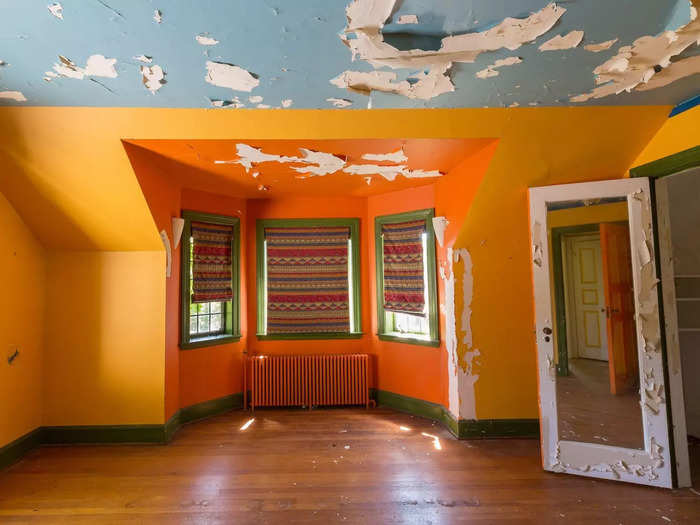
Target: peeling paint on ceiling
(213,52)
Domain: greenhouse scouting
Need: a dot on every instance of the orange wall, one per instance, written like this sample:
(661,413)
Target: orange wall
(22,303)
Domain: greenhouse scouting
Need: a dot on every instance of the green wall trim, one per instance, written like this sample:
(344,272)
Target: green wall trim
(14,450)
(464,428)
(683,160)
(108,434)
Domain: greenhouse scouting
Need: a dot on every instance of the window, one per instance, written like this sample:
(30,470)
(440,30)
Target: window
(406,279)
(210,286)
(308,279)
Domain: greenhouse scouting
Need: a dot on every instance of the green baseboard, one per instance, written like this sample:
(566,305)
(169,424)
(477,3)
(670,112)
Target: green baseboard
(14,450)
(104,434)
(464,428)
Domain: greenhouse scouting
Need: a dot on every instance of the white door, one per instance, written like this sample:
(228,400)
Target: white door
(651,462)
(587,297)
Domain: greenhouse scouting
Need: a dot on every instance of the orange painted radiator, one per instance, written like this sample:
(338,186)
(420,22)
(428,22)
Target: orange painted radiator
(309,380)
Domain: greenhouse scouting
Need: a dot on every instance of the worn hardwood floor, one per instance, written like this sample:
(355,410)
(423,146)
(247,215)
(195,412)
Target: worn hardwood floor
(324,466)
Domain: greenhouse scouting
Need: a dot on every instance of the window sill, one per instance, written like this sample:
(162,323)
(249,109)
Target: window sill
(408,340)
(330,335)
(210,341)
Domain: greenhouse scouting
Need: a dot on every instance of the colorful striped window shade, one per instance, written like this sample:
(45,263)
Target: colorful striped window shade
(211,262)
(307,280)
(404,286)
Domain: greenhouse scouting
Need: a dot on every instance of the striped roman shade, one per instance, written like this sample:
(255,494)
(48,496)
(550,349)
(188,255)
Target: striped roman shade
(307,280)
(404,286)
(211,262)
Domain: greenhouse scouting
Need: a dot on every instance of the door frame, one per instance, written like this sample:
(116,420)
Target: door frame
(653,465)
(561,307)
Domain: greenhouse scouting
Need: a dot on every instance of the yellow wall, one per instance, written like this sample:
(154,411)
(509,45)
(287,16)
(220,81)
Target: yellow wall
(72,182)
(22,305)
(105,350)
(609,212)
(677,134)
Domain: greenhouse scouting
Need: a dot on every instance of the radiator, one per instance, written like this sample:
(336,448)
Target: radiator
(309,380)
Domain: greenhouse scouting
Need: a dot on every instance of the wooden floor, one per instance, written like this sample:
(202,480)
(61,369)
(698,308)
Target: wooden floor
(324,466)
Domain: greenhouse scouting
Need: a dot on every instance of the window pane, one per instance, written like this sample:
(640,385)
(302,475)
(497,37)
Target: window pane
(193,324)
(203,308)
(193,308)
(215,324)
(203,323)
(215,308)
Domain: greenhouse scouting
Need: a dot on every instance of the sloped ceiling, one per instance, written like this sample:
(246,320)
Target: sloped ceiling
(146,54)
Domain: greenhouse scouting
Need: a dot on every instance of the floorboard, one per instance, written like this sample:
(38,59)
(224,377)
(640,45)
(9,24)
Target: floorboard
(323,466)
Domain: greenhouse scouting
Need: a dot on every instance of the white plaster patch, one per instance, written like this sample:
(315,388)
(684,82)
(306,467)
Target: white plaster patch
(602,46)
(229,76)
(206,40)
(339,102)
(366,19)
(634,66)
(397,157)
(17,96)
(56,9)
(407,19)
(490,70)
(153,77)
(439,227)
(559,42)
(143,58)
(96,66)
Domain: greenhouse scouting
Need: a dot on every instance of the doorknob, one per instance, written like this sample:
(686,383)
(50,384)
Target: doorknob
(547,330)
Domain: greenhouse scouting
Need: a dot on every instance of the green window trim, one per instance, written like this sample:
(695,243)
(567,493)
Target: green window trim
(433,320)
(356,313)
(232,316)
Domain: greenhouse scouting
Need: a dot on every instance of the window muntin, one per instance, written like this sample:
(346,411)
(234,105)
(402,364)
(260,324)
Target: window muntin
(405,327)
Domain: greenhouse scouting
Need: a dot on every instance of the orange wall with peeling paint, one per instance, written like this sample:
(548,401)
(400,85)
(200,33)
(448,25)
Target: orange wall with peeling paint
(70,180)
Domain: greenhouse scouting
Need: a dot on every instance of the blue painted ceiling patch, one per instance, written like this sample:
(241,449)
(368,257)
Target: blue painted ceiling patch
(271,53)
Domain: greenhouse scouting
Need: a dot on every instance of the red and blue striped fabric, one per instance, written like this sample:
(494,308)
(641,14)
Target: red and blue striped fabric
(211,262)
(403,267)
(307,280)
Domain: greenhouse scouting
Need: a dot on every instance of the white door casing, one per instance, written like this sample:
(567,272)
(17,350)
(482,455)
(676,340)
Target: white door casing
(651,466)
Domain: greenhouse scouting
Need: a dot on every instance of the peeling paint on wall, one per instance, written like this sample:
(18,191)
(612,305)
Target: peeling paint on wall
(153,77)
(17,96)
(447,276)
(559,42)
(366,19)
(56,9)
(206,40)
(96,66)
(634,66)
(439,227)
(490,70)
(602,46)
(339,102)
(467,377)
(230,76)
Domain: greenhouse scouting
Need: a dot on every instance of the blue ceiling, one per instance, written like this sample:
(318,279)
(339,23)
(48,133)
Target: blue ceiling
(294,49)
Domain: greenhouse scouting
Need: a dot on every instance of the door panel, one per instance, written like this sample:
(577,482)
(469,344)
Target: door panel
(619,301)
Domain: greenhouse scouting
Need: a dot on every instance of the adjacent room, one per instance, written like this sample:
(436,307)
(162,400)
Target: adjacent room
(361,261)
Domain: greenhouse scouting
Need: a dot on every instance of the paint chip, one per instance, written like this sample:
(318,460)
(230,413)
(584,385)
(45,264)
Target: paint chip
(96,66)
(490,70)
(339,102)
(255,99)
(287,103)
(602,46)
(422,85)
(143,58)
(158,16)
(407,19)
(17,96)
(559,42)
(230,76)
(206,40)
(439,227)
(153,77)
(56,9)
(233,103)
(397,157)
